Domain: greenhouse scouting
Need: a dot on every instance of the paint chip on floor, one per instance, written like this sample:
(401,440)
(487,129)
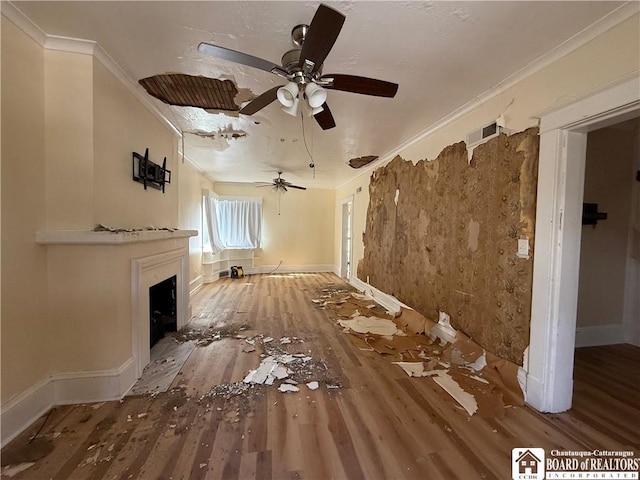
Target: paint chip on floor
(285,387)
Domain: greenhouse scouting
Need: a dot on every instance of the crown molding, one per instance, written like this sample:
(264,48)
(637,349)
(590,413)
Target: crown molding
(619,15)
(84,47)
(23,22)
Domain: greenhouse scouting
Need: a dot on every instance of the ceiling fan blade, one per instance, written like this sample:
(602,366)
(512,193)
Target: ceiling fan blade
(261,101)
(291,185)
(263,184)
(324,118)
(242,58)
(323,33)
(362,85)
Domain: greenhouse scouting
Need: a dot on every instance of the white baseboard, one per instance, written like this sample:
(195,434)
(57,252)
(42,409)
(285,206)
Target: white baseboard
(633,335)
(26,408)
(389,302)
(290,269)
(195,284)
(95,386)
(600,335)
(64,389)
(210,277)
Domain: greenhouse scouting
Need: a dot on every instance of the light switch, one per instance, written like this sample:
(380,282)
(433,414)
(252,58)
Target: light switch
(523,248)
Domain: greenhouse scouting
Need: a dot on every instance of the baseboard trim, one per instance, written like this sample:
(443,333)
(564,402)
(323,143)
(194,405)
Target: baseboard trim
(195,284)
(389,302)
(64,389)
(600,335)
(315,268)
(21,411)
(94,386)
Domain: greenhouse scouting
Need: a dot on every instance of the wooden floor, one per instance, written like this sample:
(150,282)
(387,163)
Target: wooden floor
(380,424)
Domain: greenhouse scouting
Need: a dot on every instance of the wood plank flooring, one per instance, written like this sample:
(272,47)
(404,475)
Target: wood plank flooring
(380,424)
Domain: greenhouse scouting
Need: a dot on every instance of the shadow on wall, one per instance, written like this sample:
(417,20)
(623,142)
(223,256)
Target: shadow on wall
(444,235)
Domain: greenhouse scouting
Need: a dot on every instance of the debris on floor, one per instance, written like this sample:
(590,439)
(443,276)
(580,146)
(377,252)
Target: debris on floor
(206,336)
(13,470)
(478,381)
(289,368)
(20,456)
(167,358)
(465,399)
(375,325)
(285,387)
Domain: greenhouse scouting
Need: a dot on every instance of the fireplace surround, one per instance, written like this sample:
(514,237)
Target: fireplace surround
(99,304)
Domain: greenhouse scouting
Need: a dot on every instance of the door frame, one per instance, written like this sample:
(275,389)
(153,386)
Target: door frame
(345,201)
(563,138)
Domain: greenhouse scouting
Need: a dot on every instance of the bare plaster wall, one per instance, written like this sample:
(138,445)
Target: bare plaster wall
(607,59)
(443,235)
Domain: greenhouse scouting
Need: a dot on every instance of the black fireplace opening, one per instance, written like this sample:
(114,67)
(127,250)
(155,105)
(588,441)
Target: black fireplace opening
(162,309)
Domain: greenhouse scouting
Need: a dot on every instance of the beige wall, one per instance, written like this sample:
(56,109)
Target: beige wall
(123,125)
(24,324)
(69,129)
(611,162)
(608,58)
(191,185)
(302,235)
(69,140)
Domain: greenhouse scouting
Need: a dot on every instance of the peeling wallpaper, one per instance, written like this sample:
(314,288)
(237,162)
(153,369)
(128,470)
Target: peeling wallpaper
(443,235)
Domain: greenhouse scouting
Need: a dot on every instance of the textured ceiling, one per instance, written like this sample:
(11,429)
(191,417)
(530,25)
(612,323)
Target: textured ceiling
(442,54)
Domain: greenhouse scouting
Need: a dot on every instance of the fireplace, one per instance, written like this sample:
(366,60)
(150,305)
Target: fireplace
(162,309)
(104,318)
(147,273)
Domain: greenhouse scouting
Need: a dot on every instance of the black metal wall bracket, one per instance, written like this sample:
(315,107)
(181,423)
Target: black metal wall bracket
(149,173)
(591,215)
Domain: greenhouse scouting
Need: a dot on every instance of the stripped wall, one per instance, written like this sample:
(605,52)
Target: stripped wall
(443,235)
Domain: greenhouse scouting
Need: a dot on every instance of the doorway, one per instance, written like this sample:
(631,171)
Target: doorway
(347,240)
(608,303)
(563,141)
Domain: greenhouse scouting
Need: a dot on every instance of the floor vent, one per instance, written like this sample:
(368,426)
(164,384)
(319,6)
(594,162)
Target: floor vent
(223,273)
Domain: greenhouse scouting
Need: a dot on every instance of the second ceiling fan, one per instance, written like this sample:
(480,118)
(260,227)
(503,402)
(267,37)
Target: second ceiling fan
(302,67)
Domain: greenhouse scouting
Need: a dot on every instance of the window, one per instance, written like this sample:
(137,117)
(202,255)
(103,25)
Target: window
(234,222)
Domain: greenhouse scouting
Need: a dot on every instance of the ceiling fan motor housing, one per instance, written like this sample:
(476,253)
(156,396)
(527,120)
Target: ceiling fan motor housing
(291,59)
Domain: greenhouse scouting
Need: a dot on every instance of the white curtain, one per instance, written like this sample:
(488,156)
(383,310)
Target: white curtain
(234,223)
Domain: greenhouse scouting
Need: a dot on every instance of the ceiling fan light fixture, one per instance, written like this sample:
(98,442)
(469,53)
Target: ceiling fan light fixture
(316,95)
(288,94)
(292,109)
(317,110)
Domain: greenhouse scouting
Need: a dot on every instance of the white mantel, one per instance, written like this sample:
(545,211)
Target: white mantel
(91,237)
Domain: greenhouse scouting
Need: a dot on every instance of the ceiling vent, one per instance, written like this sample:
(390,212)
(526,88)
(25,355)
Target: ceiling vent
(485,133)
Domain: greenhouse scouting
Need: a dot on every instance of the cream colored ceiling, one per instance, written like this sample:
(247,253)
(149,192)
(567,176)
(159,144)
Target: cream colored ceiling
(442,54)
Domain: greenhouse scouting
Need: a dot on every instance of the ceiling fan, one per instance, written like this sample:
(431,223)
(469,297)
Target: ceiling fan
(279,184)
(302,67)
